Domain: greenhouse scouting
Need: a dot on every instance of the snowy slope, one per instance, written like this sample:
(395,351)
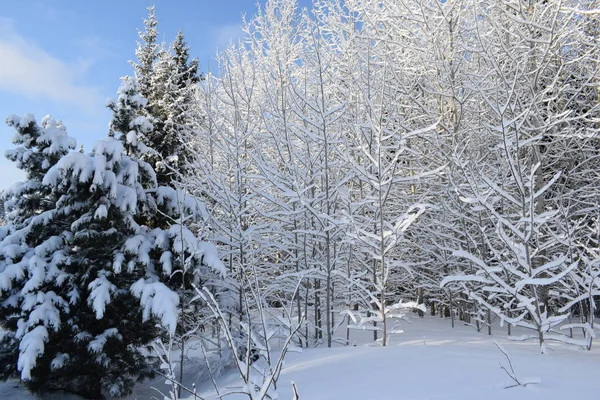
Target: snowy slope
(430,361)
(433,361)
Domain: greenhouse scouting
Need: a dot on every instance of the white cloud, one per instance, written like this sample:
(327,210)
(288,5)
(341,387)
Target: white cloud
(28,70)
(224,35)
(94,45)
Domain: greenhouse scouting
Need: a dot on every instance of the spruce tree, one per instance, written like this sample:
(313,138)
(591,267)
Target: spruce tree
(33,249)
(86,268)
(146,53)
(100,346)
(168,79)
(181,108)
(71,323)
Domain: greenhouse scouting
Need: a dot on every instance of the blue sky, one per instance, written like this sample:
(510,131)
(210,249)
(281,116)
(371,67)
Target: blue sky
(65,57)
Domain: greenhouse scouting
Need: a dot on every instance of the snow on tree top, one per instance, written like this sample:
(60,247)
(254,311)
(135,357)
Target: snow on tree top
(142,124)
(124,93)
(15,120)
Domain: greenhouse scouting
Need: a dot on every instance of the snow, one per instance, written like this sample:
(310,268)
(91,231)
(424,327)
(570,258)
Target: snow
(211,258)
(139,245)
(100,293)
(430,361)
(118,262)
(166,259)
(101,212)
(158,300)
(178,201)
(54,134)
(59,361)
(142,124)
(97,344)
(44,308)
(127,86)
(31,347)
(131,138)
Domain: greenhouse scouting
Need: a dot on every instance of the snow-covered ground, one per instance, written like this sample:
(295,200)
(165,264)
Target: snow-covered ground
(429,361)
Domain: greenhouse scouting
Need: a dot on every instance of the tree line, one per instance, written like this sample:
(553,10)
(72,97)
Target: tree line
(350,163)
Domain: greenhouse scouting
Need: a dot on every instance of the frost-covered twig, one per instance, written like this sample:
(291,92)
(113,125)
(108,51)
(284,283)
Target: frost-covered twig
(176,384)
(253,388)
(164,354)
(206,362)
(512,374)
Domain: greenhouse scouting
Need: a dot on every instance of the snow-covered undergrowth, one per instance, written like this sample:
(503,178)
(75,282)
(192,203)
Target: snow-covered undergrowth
(429,361)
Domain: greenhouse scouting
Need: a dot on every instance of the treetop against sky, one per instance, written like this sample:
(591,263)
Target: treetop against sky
(65,57)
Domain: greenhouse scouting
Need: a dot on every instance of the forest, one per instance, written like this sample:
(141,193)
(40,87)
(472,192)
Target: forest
(342,167)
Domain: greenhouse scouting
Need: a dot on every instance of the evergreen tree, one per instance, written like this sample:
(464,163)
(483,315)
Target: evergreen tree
(146,53)
(86,271)
(168,79)
(187,70)
(180,111)
(32,250)
(172,256)
(71,323)
(100,346)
